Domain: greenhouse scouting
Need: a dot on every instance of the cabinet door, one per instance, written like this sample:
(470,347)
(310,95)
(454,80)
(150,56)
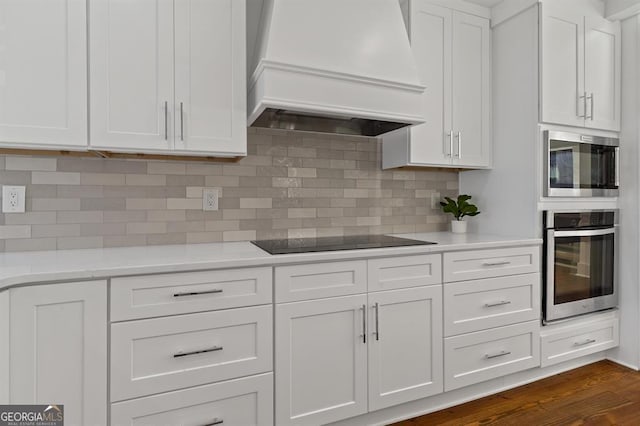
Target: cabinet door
(430,26)
(59,349)
(131,66)
(602,73)
(210,107)
(562,86)
(43,72)
(471,90)
(405,350)
(321,362)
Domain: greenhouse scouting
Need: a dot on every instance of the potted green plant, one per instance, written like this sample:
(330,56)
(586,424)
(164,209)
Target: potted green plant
(459,209)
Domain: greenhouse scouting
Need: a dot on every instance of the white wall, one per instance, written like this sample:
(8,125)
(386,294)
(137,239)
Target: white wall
(629,350)
(507,195)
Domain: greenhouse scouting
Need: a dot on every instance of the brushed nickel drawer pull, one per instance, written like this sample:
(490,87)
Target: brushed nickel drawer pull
(497,263)
(584,105)
(491,305)
(197,293)
(377,306)
(166,120)
(215,422)
(586,342)
(181,121)
(364,323)
(203,351)
(503,353)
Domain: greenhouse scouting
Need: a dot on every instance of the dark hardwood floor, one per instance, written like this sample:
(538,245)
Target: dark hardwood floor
(603,393)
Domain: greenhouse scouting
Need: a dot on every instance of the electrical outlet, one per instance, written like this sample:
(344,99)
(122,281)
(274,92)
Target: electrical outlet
(13,199)
(210,199)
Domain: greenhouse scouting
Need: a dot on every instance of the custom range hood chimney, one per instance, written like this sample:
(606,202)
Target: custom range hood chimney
(333,66)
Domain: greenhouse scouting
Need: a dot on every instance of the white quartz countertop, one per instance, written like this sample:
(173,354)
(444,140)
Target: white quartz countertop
(50,266)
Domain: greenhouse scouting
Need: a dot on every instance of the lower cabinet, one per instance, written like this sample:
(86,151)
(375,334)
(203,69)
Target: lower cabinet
(342,357)
(575,339)
(241,402)
(405,350)
(58,341)
(168,353)
(321,361)
(484,355)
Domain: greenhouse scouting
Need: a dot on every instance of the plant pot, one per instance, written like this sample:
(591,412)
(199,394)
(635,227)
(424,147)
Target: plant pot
(458,227)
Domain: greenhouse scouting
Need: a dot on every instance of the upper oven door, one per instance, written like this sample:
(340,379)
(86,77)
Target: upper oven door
(581,165)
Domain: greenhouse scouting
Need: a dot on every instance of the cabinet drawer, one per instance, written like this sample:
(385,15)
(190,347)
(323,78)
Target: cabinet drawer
(403,272)
(571,342)
(241,402)
(170,294)
(478,264)
(320,280)
(163,354)
(494,302)
(484,355)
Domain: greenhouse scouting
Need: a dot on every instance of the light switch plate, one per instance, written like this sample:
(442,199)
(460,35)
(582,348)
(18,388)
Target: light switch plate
(13,199)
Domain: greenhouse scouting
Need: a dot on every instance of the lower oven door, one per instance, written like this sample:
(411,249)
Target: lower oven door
(581,272)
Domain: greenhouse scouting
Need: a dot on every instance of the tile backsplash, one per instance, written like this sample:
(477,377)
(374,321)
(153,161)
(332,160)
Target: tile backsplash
(290,185)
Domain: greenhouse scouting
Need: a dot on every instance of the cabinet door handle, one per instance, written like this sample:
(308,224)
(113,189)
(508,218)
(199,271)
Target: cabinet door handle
(459,155)
(586,342)
(590,98)
(498,355)
(377,307)
(181,121)
(166,120)
(496,263)
(501,303)
(203,351)
(215,421)
(450,144)
(582,98)
(197,293)
(364,323)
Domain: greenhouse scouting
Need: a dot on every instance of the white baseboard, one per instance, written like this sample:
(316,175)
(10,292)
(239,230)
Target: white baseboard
(624,364)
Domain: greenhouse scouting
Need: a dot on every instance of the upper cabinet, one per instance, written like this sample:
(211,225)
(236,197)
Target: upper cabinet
(168,76)
(453,53)
(43,74)
(580,66)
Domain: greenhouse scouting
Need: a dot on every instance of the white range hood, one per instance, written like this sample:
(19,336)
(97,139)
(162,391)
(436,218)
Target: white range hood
(336,66)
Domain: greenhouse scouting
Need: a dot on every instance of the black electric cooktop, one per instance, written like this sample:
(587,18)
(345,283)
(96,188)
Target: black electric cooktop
(354,242)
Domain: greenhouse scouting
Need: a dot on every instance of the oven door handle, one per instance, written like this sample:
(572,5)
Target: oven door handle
(584,233)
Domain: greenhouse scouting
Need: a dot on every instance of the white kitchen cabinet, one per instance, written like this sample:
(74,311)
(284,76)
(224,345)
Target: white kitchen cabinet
(405,346)
(321,362)
(58,341)
(339,357)
(242,402)
(576,338)
(210,102)
(494,302)
(169,353)
(453,53)
(484,355)
(603,65)
(167,76)
(131,68)
(581,66)
(43,73)
(319,280)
